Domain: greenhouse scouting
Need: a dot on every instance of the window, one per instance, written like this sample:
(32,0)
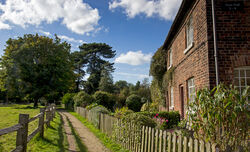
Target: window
(171,98)
(189,35)
(242,78)
(191,90)
(170,59)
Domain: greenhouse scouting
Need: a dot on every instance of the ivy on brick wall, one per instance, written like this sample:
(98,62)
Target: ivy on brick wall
(161,76)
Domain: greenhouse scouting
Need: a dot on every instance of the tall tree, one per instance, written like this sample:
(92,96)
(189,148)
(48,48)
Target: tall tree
(79,61)
(40,66)
(97,55)
(106,81)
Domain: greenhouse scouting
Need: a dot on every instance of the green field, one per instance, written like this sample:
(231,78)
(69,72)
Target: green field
(54,138)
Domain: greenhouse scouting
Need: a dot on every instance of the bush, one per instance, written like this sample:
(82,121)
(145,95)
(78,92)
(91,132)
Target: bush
(100,109)
(91,106)
(105,99)
(119,113)
(221,116)
(140,120)
(133,102)
(67,99)
(164,119)
(83,99)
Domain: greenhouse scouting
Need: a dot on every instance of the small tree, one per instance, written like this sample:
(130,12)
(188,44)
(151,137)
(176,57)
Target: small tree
(105,99)
(83,99)
(134,102)
(221,116)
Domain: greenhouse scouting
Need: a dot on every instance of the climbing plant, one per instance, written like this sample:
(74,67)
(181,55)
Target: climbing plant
(161,76)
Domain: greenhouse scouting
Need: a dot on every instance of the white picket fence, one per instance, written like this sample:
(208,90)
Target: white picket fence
(145,139)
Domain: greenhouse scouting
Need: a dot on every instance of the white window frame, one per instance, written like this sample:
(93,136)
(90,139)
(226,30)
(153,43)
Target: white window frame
(191,87)
(241,75)
(189,35)
(170,58)
(171,105)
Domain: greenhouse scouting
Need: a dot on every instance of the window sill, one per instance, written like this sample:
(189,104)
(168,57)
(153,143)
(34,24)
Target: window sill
(189,47)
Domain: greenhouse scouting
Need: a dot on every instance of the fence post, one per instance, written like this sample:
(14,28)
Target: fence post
(48,116)
(22,133)
(41,122)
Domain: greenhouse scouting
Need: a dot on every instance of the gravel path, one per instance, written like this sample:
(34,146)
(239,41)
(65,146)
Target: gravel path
(88,138)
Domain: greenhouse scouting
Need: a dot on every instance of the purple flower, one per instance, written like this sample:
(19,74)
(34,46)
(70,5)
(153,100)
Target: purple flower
(166,120)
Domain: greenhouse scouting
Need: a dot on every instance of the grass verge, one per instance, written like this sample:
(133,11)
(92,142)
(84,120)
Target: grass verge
(54,138)
(107,142)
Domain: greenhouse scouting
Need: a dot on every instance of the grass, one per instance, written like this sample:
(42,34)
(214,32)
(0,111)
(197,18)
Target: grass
(53,136)
(79,143)
(9,117)
(109,143)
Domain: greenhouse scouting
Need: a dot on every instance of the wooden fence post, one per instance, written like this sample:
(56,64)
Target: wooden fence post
(48,116)
(41,122)
(22,134)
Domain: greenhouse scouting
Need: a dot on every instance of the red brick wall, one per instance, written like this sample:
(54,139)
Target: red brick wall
(233,31)
(195,62)
(233,35)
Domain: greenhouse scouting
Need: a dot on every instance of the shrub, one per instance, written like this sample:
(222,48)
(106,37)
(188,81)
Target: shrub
(105,99)
(89,107)
(67,99)
(140,120)
(83,99)
(133,102)
(100,109)
(221,116)
(119,113)
(164,119)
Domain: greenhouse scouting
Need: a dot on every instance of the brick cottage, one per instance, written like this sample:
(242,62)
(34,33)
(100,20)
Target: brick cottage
(191,54)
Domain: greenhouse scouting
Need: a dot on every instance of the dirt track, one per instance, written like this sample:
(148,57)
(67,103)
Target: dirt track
(92,143)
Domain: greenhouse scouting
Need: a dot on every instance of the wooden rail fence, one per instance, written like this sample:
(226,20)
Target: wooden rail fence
(145,139)
(22,137)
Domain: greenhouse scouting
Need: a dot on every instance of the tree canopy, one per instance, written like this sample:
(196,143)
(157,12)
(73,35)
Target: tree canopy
(37,66)
(97,55)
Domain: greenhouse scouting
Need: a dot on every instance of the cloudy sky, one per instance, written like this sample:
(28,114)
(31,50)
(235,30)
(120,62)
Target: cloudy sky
(134,28)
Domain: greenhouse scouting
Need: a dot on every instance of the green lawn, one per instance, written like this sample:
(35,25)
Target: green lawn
(53,137)
(109,143)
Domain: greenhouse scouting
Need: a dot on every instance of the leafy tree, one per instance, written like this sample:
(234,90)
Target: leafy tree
(96,53)
(105,99)
(37,66)
(133,102)
(106,82)
(79,62)
(120,85)
(83,99)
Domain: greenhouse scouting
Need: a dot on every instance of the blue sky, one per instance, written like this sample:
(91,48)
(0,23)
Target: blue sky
(134,28)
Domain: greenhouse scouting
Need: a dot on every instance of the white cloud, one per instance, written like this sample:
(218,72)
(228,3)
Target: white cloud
(45,33)
(165,9)
(134,58)
(76,15)
(70,39)
(140,76)
(4,26)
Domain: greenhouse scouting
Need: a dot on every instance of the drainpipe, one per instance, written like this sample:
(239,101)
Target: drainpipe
(215,45)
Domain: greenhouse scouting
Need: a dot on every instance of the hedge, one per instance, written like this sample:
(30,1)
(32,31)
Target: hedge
(171,119)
